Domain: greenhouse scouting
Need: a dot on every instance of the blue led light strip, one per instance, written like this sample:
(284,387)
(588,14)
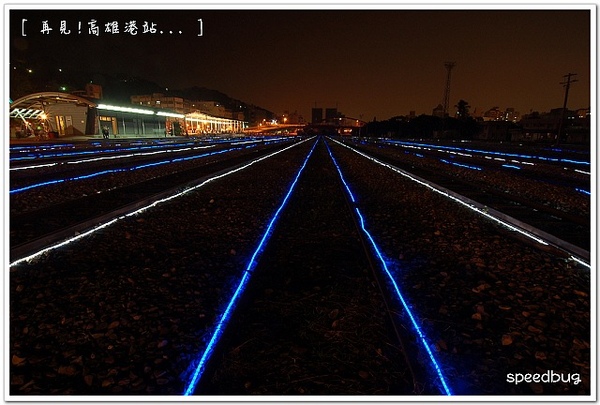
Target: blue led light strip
(511,166)
(171,150)
(103,172)
(583,191)
(441,147)
(151,205)
(461,165)
(480,211)
(413,319)
(93,152)
(222,323)
(50,182)
(142,166)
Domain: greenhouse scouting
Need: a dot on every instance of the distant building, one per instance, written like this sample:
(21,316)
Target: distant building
(511,115)
(583,113)
(578,131)
(331,114)
(317,115)
(493,114)
(63,115)
(540,127)
(184,106)
(159,100)
(543,127)
(438,111)
(292,118)
(256,115)
(238,115)
(93,91)
(213,108)
(496,114)
(496,130)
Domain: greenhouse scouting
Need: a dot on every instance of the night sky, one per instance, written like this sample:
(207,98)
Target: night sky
(368,63)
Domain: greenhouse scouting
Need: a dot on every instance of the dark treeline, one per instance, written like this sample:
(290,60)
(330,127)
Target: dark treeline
(423,126)
(463,126)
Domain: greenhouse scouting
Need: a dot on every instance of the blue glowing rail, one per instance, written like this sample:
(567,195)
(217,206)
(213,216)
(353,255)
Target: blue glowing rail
(583,191)
(142,166)
(150,205)
(391,279)
(481,210)
(222,323)
(456,148)
(92,152)
(512,167)
(50,182)
(103,172)
(39,152)
(461,165)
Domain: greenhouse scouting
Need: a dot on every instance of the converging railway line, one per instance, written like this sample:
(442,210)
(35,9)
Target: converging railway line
(305,267)
(465,174)
(76,200)
(315,297)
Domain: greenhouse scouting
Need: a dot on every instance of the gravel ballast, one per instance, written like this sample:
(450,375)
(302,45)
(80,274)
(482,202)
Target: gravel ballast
(127,310)
(493,304)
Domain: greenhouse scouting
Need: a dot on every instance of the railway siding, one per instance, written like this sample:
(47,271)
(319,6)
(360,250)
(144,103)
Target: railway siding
(127,310)
(313,321)
(493,304)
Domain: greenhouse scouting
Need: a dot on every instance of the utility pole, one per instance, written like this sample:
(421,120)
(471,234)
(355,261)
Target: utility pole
(566,84)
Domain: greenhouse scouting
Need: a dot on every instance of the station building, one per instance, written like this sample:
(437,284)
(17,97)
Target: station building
(55,114)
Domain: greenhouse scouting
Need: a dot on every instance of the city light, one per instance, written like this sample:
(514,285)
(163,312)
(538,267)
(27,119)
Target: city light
(169,114)
(124,109)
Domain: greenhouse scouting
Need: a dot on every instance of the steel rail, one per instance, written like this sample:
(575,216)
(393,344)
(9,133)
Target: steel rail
(576,253)
(39,246)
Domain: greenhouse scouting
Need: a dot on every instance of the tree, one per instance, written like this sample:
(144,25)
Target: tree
(464,125)
(462,110)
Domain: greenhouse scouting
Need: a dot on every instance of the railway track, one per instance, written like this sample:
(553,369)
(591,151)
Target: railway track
(569,227)
(314,297)
(85,160)
(33,229)
(132,308)
(105,316)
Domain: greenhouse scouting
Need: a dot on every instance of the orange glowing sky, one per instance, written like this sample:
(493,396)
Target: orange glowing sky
(368,63)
